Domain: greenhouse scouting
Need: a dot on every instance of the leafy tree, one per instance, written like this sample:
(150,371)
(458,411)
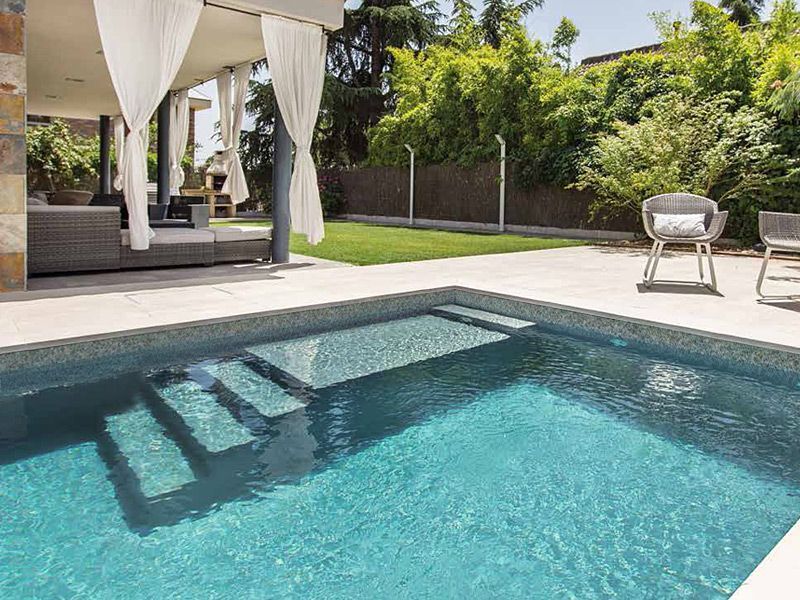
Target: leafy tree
(499,14)
(785,101)
(778,86)
(564,38)
(713,53)
(60,157)
(742,12)
(452,101)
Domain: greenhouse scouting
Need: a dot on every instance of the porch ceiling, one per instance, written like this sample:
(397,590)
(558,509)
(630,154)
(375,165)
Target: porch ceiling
(67,73)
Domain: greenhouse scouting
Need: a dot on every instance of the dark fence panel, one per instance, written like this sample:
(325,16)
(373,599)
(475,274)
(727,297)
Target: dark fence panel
(381,191)
(453,193)
(553,206)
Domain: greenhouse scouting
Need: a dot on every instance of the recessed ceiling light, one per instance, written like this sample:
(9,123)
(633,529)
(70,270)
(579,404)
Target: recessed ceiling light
(51,97)
(74,80)
(99,52)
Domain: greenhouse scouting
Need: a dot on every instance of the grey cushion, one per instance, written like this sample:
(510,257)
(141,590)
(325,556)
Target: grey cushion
(172,235)
(49,208)
(240,234)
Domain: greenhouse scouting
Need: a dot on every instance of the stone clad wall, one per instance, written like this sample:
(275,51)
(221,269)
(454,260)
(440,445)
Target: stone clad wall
(13,224)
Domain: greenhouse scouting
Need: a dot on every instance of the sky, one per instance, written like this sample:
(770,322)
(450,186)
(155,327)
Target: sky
(605,26)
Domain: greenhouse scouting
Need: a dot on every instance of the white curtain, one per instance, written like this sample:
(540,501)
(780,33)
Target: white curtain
(296,60)
(144,43)
(178,137)
(232,91)
(119,149)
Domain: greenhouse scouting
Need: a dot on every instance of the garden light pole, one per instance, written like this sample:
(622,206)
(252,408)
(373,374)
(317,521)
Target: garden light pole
(411,187)
(501,224)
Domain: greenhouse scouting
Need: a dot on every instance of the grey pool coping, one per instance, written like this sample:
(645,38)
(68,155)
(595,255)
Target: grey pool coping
(50,361)
(61,362)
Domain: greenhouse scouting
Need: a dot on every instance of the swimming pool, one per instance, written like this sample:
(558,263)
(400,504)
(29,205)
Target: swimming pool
(450,454)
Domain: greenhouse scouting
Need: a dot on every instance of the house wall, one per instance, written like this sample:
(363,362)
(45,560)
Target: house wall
(13,223)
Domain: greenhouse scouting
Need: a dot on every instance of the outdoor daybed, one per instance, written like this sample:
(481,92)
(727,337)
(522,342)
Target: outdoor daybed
(89,238)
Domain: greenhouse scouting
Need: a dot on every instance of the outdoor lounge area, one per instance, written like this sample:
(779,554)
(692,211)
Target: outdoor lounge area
(64,239)
(534,402)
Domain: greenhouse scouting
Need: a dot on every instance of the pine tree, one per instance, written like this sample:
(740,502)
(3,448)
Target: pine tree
(499,13)
(355,95)
(742,12)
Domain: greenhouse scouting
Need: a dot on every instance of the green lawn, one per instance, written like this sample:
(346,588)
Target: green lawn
(366,244)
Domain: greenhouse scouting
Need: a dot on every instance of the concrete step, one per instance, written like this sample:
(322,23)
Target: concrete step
(267,397)
(154,458)
(482,316)
(210,423)
(337,356)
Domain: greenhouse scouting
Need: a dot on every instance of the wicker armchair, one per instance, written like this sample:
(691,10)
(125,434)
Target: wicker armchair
(780,232)
(683,204)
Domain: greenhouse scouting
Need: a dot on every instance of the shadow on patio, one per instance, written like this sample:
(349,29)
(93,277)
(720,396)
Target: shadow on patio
(62,286)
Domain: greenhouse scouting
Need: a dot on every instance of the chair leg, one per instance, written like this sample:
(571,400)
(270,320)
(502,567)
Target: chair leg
(649,281)
(763,272)
(699,249)
(650,259)
(713,285)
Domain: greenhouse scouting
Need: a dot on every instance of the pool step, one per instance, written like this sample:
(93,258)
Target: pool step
(337,356)
(481,317)
(209,422)
(265,396)
(154,458)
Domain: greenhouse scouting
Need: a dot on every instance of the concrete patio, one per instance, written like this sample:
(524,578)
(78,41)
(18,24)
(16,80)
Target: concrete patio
(595,278)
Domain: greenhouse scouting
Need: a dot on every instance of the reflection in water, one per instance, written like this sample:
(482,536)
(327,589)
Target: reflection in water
(13,422)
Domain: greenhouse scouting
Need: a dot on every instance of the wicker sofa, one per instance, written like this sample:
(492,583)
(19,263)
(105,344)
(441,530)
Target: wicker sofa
(73,238)
(89,238)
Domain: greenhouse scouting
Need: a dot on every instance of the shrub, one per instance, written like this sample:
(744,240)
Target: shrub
(331,194)
(706,147)
(59,158)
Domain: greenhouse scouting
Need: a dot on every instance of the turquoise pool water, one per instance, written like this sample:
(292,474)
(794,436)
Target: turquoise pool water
(432,457)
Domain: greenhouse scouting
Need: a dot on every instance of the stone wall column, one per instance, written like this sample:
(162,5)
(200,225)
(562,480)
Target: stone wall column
(13,194)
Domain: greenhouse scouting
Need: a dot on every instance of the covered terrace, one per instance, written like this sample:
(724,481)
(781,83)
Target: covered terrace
(124,64)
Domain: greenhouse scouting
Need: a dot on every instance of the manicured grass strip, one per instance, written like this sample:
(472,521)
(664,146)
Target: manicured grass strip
(367,244)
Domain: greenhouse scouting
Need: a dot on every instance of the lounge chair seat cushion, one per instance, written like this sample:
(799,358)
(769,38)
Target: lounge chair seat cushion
(174,236)
(240,234)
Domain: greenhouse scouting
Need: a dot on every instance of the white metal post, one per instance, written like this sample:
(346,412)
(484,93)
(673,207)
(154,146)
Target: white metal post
(411,187)
(501,225)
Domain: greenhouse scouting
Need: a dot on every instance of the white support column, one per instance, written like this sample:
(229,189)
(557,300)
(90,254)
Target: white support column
(411,187)
(501,224)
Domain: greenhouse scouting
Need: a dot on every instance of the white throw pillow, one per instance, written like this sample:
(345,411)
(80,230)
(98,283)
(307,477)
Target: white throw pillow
(679,226)
(34,201)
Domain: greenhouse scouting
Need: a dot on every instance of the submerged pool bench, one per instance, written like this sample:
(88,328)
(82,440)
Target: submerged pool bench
(89,238)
